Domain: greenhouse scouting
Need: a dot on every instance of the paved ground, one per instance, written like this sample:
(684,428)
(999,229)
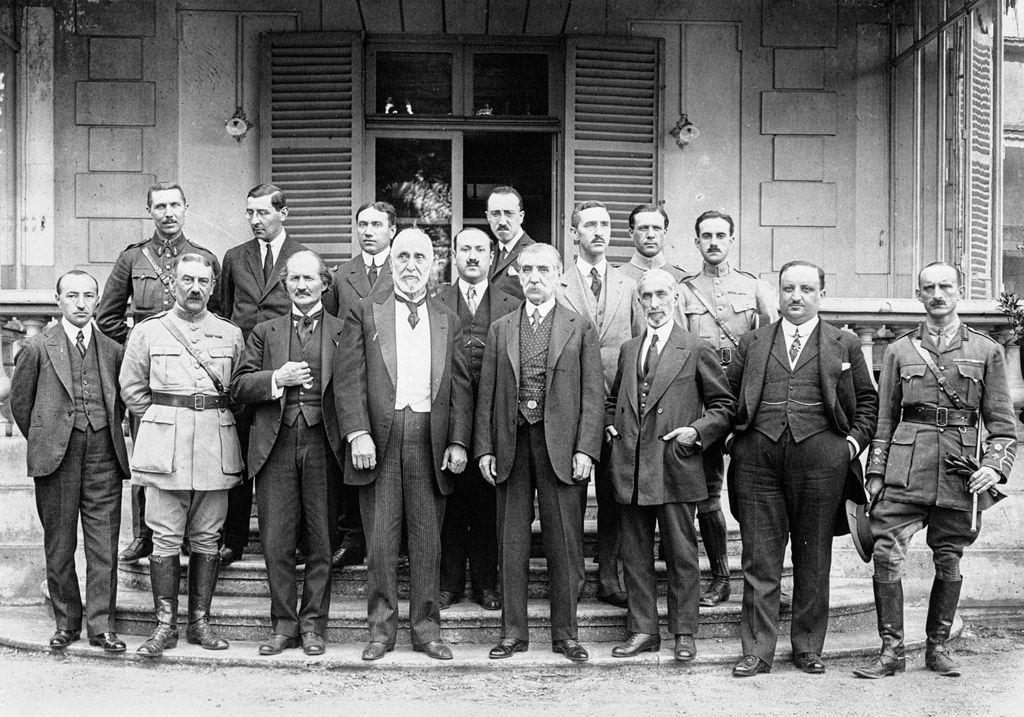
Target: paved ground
(34,683)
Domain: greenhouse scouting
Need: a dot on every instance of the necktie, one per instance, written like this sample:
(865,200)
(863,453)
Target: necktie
(471,299)
(794,349)
(304,326)
(268,264)
(595,282)
(534,319)
(651,358)
(372,274)
(939,337)
(414,317)
(502,256)
(80,343)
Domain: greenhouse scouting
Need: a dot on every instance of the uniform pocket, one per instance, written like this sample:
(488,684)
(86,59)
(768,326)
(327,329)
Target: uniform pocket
(743,303)
(154,444)
(901,456)
(220,358)
(974,379)
(165,367)
(146,290)
(230,449)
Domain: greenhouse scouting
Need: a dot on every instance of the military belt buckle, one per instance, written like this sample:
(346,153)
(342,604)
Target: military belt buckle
(941,416)
(199,402)
(725,356)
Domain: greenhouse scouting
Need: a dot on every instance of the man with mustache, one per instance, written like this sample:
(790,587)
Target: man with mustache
(405,408)
(142,275)
(505,215)
(720,304)
(175,376)
(648,224)
(599,292)
(807,407)
(938,385)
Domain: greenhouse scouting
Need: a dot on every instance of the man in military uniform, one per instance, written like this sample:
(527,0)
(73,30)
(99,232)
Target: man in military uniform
(720,304)
(142,275)
(921,420)
(648,224)
(174,379)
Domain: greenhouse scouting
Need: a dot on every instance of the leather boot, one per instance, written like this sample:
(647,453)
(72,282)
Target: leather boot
(164,574)
(713,533)
(941,610)
(892,657)
(202,579)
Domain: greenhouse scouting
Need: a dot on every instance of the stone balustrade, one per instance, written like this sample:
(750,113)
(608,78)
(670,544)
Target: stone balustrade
(22,314)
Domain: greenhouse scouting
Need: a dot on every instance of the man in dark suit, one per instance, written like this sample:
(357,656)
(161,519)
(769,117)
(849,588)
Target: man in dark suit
(469,518)
(807,407)
(65,400)
(355,280)
(538,429)
(505,215)
(295,450)
(669,400)
(251,292)
(405,407)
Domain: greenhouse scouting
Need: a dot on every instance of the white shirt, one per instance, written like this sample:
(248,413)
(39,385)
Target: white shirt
(376,260)
(790,330)
(507,246)
(584,267)
(278,391)
(543,309)
(662,333)
(72,331)
(464,290)
(274,246)
(413,348)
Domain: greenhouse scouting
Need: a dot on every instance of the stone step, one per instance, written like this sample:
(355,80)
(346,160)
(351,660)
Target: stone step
(248,577)
(248,618)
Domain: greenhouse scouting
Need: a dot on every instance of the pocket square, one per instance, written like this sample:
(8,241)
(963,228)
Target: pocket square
(512,271)
(845,366)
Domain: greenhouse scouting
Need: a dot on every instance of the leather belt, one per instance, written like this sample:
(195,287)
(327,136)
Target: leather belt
(940,416)
(194,401)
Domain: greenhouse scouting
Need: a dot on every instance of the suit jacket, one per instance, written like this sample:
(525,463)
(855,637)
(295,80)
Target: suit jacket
(573,394)
(505,274)
(367,367)
(42,403)
(243,298)
(266,350)
(623,318)
(849,395)
(689,388)
(500,304)
(352,284)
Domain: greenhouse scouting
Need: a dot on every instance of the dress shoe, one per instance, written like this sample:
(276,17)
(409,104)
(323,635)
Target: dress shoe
(507,647)
(446,599)
(749,666)
(376,650)
(136,550)
(489,600)
(436,649)
(617,599)
(810,663)
(313,644)
(636,643)
(229,554)
(571,649)
(717,592)
(63,638)
(685,649)
(109,641)
(278,643)
(343,557)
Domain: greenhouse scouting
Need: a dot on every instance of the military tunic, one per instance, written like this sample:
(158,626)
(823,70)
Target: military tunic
(639,264)
(133,277)
(177,448)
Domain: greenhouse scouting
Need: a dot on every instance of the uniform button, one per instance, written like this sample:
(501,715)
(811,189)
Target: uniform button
(661,410)
(721,308)
(167,266)
(195,328)
(198,366)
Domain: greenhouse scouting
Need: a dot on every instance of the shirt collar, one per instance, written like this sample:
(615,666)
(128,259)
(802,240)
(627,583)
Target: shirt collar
(275,244)
(805,329)
(662,332)
(72,331)
(507,246)
(402,297)
(647,263)
(584,266)
(376,260)
(947,331)
(542,309)
(296,314)
(719,270)
(464,288)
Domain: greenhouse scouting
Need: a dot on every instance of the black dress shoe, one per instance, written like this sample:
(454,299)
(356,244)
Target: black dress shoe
(571,649)
(376,650)
(278,643)
(507,647)
(617,599)
(749,666)
(810,663)
(136,550)
(109,641)
(229,554)
(489,600)
(313,644)
(685,649)
(63,638)
(637,643)
(343,557)
(446,599)
(437,649)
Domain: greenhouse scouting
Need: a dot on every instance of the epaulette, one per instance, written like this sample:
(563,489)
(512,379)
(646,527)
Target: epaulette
(747,273)
(978,333)
(226,320)
(688,275)
(154,316)
(137,244)
(200,246)
(906,333)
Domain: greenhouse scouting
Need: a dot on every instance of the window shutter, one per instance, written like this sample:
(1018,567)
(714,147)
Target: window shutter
(612,133)
(311,138)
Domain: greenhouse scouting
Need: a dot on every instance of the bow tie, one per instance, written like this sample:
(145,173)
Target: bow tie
(308,319)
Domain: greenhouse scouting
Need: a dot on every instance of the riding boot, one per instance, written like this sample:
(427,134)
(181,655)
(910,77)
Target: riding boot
(892,657)
(713,533)
(202,579)
(941,610)
(164,574)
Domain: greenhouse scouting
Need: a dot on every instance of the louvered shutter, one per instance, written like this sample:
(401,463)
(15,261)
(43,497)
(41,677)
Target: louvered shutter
(612,119)
(311,143)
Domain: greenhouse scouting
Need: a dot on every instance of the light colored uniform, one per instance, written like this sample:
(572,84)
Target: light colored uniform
(640,264)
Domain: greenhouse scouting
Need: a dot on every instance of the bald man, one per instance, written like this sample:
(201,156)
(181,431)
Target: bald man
(406,413)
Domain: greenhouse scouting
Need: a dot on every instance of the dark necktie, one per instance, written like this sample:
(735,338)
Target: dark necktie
(651,359)
(268,264)
(372,274)
(414,317)
(794,349)
(305,325)
(595,282)
(80,343)
(502,256)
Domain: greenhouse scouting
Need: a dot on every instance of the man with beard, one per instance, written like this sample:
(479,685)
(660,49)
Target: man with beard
(505,215)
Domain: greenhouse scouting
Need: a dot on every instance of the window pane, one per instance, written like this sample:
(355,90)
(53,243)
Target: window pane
(414,83)
(510,84)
